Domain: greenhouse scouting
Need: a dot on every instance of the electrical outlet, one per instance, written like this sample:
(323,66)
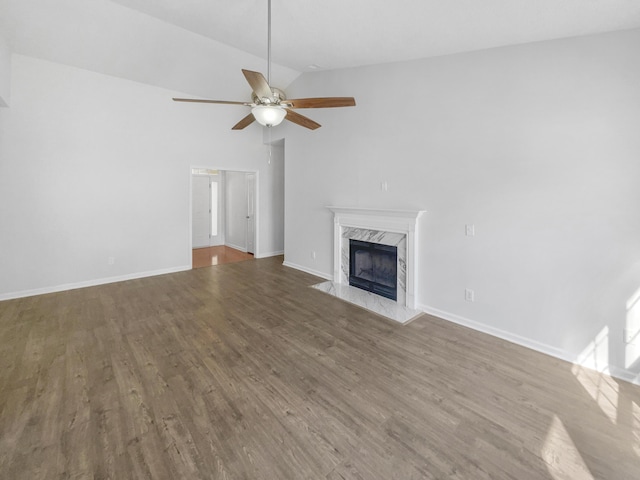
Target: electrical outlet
(470,230)
(313,255)
(469,295)
(111,260)
(630,337)
(384,186)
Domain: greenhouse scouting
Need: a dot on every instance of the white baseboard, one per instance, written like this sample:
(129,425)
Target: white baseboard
(308,270)
(269,254)
(617,372)
(236,247)
(624,374)
(91,283)
(496,332)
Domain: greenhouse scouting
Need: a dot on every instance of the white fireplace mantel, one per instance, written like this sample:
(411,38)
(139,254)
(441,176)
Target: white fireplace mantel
(405,219)
(389,226)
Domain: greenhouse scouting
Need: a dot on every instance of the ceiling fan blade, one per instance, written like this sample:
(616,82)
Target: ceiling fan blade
(198,100)
(259,84)
(301,120)
(327,102)
(246,121)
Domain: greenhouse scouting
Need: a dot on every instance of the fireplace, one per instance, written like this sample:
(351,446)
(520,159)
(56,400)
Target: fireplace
(396,229)
(375,250)
(374,267)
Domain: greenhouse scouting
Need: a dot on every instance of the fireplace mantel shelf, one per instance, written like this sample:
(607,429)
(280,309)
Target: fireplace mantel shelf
(378,212)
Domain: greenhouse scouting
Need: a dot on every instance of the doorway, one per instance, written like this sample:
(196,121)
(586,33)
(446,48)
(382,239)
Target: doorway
(223,214)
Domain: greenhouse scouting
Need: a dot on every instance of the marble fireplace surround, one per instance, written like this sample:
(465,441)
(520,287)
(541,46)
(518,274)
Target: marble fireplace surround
(388,227)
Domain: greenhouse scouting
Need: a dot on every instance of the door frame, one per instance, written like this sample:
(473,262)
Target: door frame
(251,207)
(190,202)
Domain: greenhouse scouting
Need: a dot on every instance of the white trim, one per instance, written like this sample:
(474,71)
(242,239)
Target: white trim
(256,217)
(496,332)
(317,273)
(559,353)
(623,374)
(235,247)
(377,212)
(91,283)
(269,254)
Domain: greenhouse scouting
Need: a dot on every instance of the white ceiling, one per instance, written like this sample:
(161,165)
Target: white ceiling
(346,33)
(199,46)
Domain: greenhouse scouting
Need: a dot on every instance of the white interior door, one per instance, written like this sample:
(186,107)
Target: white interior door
(200,211)
(251,212)
(236,210)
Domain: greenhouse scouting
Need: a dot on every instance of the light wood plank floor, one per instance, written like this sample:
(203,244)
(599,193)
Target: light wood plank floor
(243,372)
(208,256)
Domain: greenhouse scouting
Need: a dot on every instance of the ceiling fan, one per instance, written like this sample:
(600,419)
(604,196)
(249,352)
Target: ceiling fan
(269,105)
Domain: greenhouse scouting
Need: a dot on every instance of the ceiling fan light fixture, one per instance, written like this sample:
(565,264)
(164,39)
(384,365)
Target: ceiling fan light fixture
(269,115)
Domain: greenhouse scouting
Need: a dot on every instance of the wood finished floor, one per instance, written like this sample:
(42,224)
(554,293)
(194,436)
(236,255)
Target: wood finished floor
(219,255)
(243,372)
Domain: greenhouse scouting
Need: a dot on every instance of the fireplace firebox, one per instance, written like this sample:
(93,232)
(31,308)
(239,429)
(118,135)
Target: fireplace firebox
(374,267)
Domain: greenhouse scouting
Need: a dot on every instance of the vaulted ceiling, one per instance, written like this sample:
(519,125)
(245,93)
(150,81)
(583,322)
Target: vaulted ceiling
(199,46)
(346,33)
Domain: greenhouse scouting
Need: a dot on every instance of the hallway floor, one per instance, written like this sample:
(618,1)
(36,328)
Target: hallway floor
(208,256)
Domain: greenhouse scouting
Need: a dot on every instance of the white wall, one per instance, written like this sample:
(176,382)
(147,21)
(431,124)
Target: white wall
(274,185)
(93,166)
(5,71)
(536,145)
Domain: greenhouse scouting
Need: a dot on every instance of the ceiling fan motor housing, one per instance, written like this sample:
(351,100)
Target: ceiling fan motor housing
(278,96)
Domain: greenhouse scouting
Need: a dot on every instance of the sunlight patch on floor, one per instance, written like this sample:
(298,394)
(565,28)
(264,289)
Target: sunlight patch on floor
(561,455)
(602,388)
